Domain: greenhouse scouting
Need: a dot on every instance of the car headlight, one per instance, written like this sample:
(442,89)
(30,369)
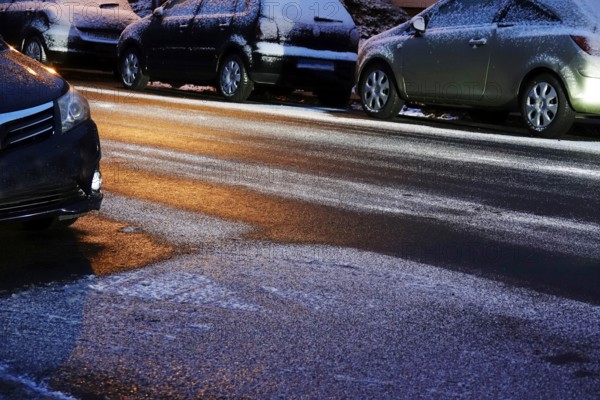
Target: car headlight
(74,109)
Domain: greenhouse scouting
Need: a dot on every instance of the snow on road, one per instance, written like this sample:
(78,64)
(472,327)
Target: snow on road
(502,224)
(275,320)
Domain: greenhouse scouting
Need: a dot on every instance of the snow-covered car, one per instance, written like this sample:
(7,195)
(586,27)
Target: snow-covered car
(238,44)
(49,146)
(63,31)
(540,57)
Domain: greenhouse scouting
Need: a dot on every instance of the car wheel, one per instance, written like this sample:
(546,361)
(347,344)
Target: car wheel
(545,108)
(337,96)
(132,74)
(34,48)
(234,82)
(378,94)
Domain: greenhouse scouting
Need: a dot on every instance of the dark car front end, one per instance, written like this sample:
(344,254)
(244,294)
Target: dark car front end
(49,146)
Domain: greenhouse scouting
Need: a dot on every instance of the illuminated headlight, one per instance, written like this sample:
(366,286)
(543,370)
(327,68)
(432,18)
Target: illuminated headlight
(74,109)
(97,181)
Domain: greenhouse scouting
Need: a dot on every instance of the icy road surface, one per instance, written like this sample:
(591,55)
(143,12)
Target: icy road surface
(313,253)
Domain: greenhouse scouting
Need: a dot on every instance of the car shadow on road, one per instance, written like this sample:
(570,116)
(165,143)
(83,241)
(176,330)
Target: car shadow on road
(36,258)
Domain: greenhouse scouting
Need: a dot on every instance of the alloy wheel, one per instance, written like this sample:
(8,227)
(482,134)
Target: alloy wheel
(231,77)
(131,69)
(376,90)
(34,50)
(541,105)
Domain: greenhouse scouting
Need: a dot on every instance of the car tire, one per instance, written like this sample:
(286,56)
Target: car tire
(234,83)
(336,96)
(131,71)
(378,94)
(545,107)
(34,48)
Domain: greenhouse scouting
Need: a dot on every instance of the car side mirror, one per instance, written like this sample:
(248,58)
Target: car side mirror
(418,24)
(158,13)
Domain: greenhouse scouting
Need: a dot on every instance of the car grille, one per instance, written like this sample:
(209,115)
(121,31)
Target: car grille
(28,126)
(44,199)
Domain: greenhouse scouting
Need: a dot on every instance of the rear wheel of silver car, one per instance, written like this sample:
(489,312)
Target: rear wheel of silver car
(34,48)
(132,74)
(378,94)
(545,108)
(234,83)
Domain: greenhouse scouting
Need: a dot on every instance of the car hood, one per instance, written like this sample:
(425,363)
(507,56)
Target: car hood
(25,83)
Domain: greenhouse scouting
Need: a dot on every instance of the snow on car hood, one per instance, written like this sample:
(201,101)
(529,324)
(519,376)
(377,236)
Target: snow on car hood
(25,83)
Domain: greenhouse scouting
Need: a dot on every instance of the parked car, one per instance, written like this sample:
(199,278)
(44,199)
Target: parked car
(49,146)
(540,57)
(63,31)
(239,44)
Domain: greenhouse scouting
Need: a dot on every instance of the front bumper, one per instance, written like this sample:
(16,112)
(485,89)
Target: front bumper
(52,178)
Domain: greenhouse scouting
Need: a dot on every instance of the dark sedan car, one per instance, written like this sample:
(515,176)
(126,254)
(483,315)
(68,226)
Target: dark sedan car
(49,146)
(62,31)
(239,44)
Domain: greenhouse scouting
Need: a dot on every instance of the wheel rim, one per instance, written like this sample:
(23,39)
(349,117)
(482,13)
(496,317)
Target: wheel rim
(131,68)
(34,50)
(541,105)
(231,77)
(376,90)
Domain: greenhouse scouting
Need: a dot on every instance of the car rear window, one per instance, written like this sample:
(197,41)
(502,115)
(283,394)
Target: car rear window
(525,12)
(464,13)
(306,11)
(582,14)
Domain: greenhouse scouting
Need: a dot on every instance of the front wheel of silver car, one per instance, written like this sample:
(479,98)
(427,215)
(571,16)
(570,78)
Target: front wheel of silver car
(378,94)
(545,108)
(132,74)
(34,48)
(234,83)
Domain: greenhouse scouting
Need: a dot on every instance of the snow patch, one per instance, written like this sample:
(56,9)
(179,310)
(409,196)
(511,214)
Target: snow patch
(28,387)
(278,50)
(176,287)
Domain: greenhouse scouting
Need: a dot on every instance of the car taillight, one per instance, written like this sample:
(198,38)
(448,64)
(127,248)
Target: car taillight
(587,44)
(267,29)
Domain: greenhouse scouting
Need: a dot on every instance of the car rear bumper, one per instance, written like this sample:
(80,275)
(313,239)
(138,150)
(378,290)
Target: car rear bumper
(52,178)
(301,68)
(585,97)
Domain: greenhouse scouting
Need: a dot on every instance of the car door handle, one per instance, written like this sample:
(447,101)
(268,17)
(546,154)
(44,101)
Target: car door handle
(478,42)
(184,26)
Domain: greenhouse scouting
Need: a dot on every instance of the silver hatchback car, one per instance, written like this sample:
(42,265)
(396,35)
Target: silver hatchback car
(541,57)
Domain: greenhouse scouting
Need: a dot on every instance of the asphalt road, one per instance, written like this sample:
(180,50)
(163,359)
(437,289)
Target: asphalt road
(278,250)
